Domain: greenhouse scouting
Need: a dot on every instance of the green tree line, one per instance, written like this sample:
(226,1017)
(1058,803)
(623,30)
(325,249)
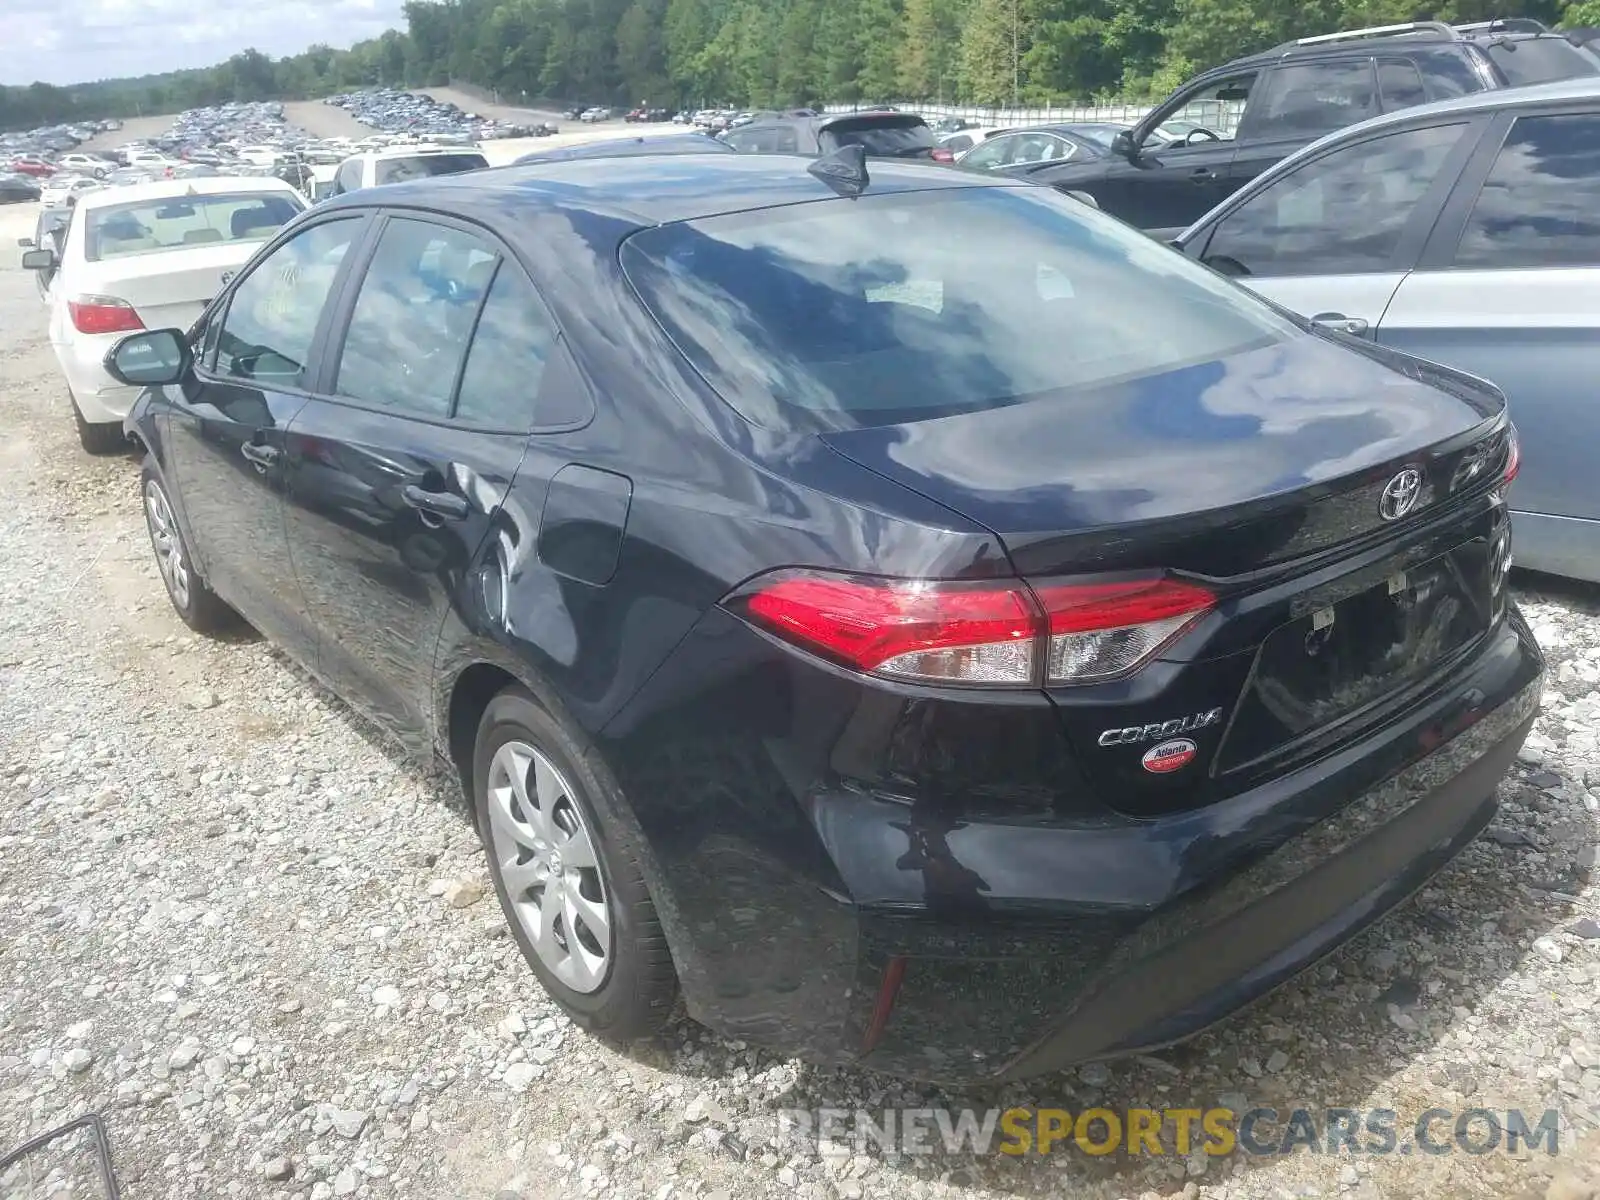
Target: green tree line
(772,52)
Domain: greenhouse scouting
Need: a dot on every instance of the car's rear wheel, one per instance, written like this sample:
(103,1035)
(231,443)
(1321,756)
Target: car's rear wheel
(196,604)
(566,873)
(98,437)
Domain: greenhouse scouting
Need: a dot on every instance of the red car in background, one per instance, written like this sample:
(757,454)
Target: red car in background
(32,164)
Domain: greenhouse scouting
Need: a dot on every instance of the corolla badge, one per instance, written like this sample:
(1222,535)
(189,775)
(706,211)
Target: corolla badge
(1169,756)
(1400,494)
(1131,734)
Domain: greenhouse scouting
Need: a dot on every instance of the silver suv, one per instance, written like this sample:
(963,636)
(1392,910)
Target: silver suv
(1467,232)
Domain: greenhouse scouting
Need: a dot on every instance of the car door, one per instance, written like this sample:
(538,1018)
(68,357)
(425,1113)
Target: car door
(226,424)
(1296,104)
(1509,288)
(1332,237)
(397,468)
(1169,186)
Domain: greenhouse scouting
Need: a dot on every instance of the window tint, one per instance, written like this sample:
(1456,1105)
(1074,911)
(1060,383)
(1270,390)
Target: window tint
(1450,74)
(1400,83)
(1218,108)
(506,361)
(412,317)
(174,222)
(397,170)
(1339,214)
(1040,147)
(1540,205)
(905,306)
(991,156)
(1313,98)
(1540,60)
(272,316)
(882,137)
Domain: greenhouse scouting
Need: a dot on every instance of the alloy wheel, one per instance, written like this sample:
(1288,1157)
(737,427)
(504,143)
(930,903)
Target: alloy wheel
(168,545)
(546,859)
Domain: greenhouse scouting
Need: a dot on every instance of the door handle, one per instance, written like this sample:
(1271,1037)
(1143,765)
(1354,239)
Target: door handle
(1202,175)
(261,456)
(438,504)
(1339,323)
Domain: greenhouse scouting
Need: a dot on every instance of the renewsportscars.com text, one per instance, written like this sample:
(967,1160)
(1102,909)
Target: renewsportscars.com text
(1170,1131)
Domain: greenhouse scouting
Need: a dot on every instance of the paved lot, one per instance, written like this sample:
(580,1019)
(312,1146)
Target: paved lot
(227,926)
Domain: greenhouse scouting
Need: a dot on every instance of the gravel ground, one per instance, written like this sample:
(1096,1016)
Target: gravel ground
(247,932)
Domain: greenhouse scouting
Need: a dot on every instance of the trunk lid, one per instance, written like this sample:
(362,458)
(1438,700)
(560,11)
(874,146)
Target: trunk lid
(170,289)
(1271,476)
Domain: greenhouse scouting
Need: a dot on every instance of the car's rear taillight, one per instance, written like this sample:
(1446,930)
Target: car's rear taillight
(1513,455)
(1000,633)
(103,314)
(1103,631)
(943,155)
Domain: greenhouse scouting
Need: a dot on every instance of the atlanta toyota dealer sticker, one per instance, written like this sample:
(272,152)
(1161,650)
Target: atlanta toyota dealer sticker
(1169,756)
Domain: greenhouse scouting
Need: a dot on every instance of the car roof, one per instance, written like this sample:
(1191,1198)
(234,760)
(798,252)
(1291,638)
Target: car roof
(1398,42)
(651,190)
(618,147)
(201,185)
(419,149)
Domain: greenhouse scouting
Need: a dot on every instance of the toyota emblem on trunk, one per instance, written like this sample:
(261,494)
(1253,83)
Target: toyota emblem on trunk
(1400,494)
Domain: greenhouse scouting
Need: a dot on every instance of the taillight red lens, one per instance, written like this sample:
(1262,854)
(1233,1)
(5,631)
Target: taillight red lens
(1513,455)
(942,155)
(103,314)
(989,633)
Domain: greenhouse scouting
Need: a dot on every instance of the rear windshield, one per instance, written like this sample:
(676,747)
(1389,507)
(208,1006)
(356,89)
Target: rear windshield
(891,308)
(178,222)
(397,170)
(881,137)
(1541,60)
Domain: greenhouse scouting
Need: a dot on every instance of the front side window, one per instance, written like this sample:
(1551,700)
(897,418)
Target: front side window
(1342,213)
(900,307)
(1400,83)
(1310,99)
(274,311)
(1215,111)
(1540,205)
(176,222)
(413,316)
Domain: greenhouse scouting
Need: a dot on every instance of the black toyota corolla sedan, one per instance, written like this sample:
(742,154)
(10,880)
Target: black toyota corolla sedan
(924,621)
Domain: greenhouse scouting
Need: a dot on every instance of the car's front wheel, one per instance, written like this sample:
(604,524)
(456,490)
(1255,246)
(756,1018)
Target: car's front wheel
(566,874)
(196,604)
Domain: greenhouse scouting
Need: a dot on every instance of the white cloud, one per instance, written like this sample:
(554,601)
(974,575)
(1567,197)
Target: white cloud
(106,39)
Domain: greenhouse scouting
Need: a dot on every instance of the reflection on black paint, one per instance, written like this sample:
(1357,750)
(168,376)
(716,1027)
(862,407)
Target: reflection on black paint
(1540,206)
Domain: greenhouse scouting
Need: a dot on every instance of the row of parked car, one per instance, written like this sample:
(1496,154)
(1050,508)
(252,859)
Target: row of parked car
(927,622)
(440,121)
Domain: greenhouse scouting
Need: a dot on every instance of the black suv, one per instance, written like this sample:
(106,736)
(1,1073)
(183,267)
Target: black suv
(1225,127)
(882,133)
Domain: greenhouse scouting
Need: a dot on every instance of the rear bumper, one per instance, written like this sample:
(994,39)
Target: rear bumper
(100,398)
(845,926)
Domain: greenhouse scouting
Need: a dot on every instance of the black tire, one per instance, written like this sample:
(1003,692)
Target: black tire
(98,437)
(196,604)
(641,984)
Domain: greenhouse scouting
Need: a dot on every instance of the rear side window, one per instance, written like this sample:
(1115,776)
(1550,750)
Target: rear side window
(412,317)
(1540,60)
(1309,99)
(1342,213)
(1540,205)
(1400,83)
(398,170)
(506,362)
(896,307)
(891,137)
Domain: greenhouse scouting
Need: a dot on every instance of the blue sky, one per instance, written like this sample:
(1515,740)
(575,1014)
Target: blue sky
(74,41)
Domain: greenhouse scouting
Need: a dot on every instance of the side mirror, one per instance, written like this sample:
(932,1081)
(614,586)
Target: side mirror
(154,357)
(38,260)
(1124,146)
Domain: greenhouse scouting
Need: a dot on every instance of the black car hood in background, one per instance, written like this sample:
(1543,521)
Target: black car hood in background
(1294,435)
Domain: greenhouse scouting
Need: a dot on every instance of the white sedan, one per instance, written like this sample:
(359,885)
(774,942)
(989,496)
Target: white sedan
(61,189)
(147,256)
